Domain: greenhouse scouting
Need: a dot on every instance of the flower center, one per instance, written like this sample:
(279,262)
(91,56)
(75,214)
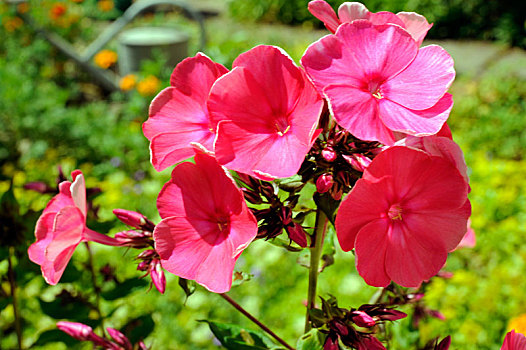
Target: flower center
(281,125)
(222,224)
(375,89)
(395,212)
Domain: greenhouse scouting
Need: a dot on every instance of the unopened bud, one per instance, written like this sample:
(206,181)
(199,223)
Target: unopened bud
(147,254)
(357,161)
(329,154)
(39,186)
(134,219)
(76,330)
(297,234)
(157,275)
(143,346)
(286,215)
(444,344)
(252,197)
(267,189)
(362,319)
(324,183)
(119,338)
(143,266)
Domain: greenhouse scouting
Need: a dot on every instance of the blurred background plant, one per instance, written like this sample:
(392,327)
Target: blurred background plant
(53,114)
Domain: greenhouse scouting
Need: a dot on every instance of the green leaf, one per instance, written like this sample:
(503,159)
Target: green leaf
(54,336)
(71,309)
(188,287)
(284,243)
(138,328)
(313,340)
(327,204)
(123,289)
(235,337)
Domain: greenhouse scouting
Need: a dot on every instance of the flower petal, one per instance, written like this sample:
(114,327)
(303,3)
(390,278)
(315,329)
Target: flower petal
(78,193)
(371,249)
(324,12)
(350,11)
(417,25)
(44,235)
(424,82)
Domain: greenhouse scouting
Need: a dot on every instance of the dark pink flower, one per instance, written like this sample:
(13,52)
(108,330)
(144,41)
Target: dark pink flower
(61,227)
(514,341)
(179,115)
(469,240)
(415,24)
(267,111)
(379,83)
(206,224)
(402,218)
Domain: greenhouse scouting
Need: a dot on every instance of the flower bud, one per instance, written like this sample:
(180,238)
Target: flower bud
(76,330)
(324,183)
(143,346)
(297,234)
(357,161)
(134,219)
(147,254)
(286,215)
(143,266)
(444,344)
(329,154)
(362,319)
(39,186)
(252,197)
(119,338)
(157,274)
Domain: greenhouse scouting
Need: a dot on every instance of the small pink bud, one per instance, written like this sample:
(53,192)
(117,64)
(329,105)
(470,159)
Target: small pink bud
(157,274)
(39,186)
(444,344)
(286,215)
(76,330)
(329,154)
(362,319)
(357,161)
(297,234)
(119,338)
(147,254)
(324,183)
(143,266)
(134,219)
(392,315)
(143,346)
(436,314)
(331,344)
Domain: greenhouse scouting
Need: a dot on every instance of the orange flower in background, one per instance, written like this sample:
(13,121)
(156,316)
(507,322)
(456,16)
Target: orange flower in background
(128,82)
(12,23)
(149,86)
(57,10)
(23,7)
(105,5)
(105,59)
(518,324)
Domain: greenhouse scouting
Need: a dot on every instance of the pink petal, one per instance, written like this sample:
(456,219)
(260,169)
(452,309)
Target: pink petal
(350,11)
(514,341)
(93,236)
(195,250)
(365,203)
(324,12)
(357,111)
(385,17)
(78,193)
(67,231)
(44,235)
(52,270)
(371,249)
(424,82)
(63,199)
(469,240)
(418,123)
(449,150)
(194,76)
(417,25)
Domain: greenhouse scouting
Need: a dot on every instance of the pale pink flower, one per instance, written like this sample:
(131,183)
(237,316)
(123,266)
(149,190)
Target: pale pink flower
(415,24)
(267,112)
(514,341)
(206,224)
(179,116)
(379,83)
(402,218)
(61,227)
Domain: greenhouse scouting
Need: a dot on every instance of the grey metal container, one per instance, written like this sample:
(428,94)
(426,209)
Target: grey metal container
(138,44)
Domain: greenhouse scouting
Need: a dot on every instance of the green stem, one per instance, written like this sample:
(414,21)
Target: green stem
(315,254)
(96,287)
(12,285)
(255,320)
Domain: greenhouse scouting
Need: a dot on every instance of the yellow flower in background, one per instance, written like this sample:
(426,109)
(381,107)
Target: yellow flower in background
(518,323)
(149,86)
(128,82)
(12,24)
(105,5)
(105,58)
(23,7)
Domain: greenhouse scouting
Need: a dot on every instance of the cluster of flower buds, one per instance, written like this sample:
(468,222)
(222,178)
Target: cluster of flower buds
(142,237)
(278,215)
(83,332)
(355,327)
(337,161)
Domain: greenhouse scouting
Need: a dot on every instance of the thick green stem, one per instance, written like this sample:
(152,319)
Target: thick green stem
(315,254)
(255,320)
(96,287)
(12,286)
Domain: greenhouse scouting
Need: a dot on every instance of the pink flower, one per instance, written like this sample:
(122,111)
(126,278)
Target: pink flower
(514,341)
(267,111)
(379,83)
(413,23)
(469,240)
(402,218)
(206,224)
(179,115)
(61,227)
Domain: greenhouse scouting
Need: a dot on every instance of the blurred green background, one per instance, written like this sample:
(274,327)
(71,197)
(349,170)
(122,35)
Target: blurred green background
(53,114)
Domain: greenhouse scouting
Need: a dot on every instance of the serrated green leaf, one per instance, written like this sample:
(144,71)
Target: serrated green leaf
(235,337)
(313,340)
(123,289)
